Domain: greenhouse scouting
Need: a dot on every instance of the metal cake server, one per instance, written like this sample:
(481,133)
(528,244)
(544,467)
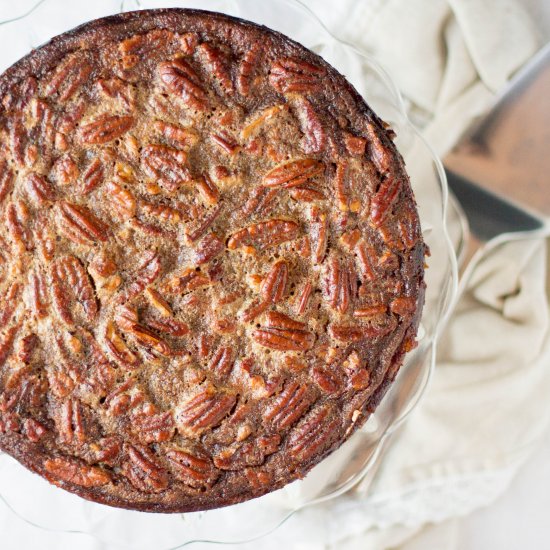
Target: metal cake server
(500,170)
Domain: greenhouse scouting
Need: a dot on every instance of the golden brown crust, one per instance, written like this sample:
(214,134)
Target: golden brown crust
(211,263)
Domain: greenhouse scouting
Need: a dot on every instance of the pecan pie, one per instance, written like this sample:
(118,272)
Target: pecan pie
(211,263)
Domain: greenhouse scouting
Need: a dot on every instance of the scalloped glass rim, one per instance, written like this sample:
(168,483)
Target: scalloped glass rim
(355,463)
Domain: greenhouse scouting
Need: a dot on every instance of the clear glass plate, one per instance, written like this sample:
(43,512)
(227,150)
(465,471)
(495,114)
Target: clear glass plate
(47,507)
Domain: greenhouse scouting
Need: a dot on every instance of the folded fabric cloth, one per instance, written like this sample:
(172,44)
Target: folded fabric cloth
(448,57)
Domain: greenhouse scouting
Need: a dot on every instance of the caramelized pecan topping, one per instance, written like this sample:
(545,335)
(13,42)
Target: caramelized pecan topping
(210,258)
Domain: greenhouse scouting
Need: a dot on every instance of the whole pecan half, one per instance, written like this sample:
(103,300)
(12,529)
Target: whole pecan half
(293,173)
(264,234)
(280,332)
(105,128)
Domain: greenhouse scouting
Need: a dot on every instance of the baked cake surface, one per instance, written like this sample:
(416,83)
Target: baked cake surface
(211,263)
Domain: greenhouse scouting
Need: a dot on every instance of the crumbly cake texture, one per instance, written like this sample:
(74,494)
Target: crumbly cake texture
(211,263)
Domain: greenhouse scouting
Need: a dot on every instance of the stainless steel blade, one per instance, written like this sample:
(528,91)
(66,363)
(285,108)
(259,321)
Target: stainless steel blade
(500,170)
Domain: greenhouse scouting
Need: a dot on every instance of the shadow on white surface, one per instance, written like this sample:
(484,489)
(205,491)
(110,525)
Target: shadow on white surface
(520,518)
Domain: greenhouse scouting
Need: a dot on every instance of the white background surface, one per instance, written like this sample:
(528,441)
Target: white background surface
(518,520)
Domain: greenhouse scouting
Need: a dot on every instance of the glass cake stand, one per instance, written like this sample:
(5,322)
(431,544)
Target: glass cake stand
(27,24)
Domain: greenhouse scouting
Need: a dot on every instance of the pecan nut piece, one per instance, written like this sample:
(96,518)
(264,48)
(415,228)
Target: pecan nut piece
(166,165)
(222,362)
(247,68)
(107,450)
(355,145)
(142,46)
(408,230)
(187,282)
(6,342)
(367,260)
(61,383)
(92,176)
(10,302)
(118,348)
(76,472)
(208,248)
(216,64)
(302,302)
(79,225)
(382,202)
(65,170)
(403,305)
(23,391)
(205,410)
(162,213)
(295,75)
(256,308)
(70,422)
(318,234)
(314,434)
(147,338)
(116,88)
(39,189)
(315,137)
(370,311)
(34,430)
(153,428)
(274,285)
(259,202)
(20,95)
(341,185)
(17,220)
(347,333)
(261,119)
(122,201)
(6,180)
(289,406)
(264,234)
(69,77)
(340,284)
(208,190)
(293,173)
(306,194)
(191,469)
(105,128)
(205,223)
(250,453)
(147,272)
(72,292)
(143,471)
(282,333)
(328,379)
(225,142)
(182,138)
(379,154)
(181,80)
(26,347)
(169,325)
(356,333)
(357,372)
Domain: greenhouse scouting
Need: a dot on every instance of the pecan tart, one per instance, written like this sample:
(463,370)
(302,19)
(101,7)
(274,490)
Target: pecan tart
(211,263)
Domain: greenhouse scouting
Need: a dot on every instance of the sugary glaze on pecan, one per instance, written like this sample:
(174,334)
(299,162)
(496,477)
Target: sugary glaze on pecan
(211,265)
